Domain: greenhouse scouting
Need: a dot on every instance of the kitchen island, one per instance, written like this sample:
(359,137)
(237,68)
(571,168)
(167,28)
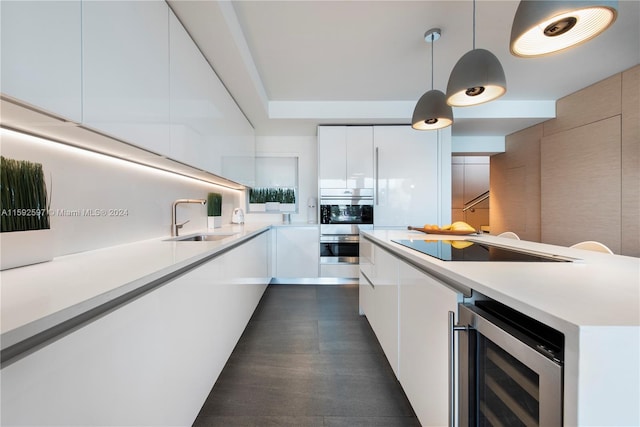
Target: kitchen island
(594,301)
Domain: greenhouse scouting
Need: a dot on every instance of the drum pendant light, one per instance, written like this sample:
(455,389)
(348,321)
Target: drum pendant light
(543,27)
(477,77)
(432,111)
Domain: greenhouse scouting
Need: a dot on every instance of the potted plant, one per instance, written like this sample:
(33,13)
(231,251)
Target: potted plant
(272,201)
(288,200)
(214,210)
(25,230)
(257,198)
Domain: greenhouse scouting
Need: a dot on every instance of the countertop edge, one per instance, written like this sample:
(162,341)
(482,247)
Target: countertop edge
(447,278)
(38,326)
(462,280)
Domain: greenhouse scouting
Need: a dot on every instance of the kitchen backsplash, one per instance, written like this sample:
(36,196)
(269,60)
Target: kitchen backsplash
(98,201)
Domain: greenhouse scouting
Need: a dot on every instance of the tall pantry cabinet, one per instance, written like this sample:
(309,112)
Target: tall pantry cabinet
(412,176)
(410,170)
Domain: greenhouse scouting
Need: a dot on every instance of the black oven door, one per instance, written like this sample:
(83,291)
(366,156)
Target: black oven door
(339,250)
(345,211)
(335,212)
(336,219)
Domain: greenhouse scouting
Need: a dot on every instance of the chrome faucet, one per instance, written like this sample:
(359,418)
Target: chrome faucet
(174,225)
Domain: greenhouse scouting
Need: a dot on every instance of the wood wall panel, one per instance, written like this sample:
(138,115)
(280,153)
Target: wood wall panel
(476,181)
(477,217)
(581,185)
(584,131)
(515,185)
(596,102)
(631,162)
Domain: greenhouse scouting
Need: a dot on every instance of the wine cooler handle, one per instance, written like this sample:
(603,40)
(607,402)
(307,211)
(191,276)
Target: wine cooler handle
(453,328)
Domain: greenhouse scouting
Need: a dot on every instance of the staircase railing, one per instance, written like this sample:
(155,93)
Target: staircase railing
(475,201)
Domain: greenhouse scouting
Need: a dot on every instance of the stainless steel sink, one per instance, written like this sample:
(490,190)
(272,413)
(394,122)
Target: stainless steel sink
(206,237)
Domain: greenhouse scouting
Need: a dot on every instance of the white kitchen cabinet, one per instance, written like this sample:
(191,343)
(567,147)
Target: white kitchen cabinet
(125,57)
(192,106)
(150,362)
(207,127)
(345,156)
(41,55)
(423,310)
(365,286)
(381,301)
(359,157)
(413,176)
(339,271)
(408,311)
(297,252)
(332,156)
(235,139)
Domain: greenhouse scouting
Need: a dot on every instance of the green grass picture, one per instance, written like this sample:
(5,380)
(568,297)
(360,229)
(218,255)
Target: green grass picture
(23,196)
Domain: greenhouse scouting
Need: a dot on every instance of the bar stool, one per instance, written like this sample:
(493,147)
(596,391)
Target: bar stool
(509,235)
(591,245)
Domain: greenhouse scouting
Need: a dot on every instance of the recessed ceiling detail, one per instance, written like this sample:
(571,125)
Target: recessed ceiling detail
(291,65)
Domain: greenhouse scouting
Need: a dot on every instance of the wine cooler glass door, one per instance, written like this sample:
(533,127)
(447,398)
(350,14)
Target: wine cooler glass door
(511,381)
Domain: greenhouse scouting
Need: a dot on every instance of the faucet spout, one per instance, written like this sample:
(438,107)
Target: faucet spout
(174,225)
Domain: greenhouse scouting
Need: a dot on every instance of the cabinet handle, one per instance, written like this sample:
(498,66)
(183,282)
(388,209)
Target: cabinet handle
(377,175)
(368,280)
(453,328)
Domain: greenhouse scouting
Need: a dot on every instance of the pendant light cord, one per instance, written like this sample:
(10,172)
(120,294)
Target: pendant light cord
(432,43)
(474,24)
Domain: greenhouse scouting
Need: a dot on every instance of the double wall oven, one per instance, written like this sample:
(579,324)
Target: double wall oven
(343,213)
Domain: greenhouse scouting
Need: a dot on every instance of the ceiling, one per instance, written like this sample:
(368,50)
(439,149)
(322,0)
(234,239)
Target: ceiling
(291,65)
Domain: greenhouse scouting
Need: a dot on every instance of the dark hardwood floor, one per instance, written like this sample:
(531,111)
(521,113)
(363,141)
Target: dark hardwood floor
(307,358)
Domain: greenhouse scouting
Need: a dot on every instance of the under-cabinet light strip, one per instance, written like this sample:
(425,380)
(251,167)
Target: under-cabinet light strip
(98,155)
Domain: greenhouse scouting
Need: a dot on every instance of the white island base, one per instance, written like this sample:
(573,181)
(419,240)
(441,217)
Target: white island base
(594,302)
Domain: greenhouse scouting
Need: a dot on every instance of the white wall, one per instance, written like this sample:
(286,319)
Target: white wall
(306,149)
(84,180)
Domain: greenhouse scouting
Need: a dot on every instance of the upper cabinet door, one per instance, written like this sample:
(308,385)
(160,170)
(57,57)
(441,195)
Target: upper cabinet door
(125,47)
(41,55)
(208,130)
(360,157)
(332,156)
(345,156)
(192,104)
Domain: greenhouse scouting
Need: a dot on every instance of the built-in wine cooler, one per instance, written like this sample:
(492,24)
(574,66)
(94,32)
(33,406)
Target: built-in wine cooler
(510,368)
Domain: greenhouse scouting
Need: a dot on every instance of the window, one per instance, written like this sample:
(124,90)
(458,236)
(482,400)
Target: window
(276,188)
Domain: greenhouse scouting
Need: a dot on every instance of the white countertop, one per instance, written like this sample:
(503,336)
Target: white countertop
(37,297)
(597,290)
(295,224)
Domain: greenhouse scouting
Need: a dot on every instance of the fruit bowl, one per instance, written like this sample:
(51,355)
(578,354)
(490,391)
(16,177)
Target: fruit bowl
(448,232)
(458,228)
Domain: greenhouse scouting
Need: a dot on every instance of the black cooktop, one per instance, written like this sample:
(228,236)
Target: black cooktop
(467,250)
